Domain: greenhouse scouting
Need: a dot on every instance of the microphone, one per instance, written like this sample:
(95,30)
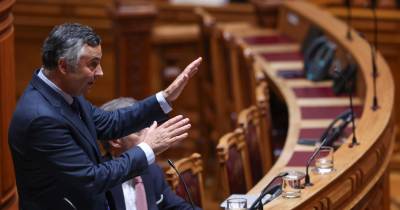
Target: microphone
(349,90)
(328,137)
(258,202)
(274,192)
(343,116)
(183,181)
(349,17)
(307,181)
(337,131)
(70,204)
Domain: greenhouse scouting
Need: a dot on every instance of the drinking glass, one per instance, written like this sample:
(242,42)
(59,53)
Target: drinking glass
(236,204)
(291,187)
(324,160)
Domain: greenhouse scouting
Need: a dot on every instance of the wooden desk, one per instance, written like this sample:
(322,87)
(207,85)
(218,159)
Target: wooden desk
(361,178)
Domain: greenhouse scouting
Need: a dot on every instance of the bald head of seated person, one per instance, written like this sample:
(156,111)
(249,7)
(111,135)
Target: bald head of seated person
(130,195)
(53,131)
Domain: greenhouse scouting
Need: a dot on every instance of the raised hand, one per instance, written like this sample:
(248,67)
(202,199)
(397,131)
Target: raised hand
(162,137)
(176,87)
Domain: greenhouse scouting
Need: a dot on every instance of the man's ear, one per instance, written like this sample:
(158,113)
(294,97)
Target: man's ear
(115,143)
(62,65)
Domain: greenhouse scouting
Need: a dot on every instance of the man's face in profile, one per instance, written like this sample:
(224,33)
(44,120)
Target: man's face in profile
(83,76)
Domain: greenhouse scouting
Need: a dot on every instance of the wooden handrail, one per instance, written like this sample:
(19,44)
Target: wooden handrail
(361,170)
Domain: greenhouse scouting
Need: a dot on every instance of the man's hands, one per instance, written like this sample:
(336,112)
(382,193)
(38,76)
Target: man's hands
(162,137)
(175,88)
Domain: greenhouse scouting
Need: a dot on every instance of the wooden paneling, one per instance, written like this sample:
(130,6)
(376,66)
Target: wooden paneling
(267,12)
(35,19)
(8,193)
(132,24)
(184,13)
(173,47)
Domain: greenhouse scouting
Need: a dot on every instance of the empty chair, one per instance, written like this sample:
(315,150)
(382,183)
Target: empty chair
(191,170)
(243,79)
(225,114)
(253,125)
(234,165)
(263,105)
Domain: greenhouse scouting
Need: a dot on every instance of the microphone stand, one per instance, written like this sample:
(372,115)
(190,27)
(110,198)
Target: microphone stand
(349,90)
(183,181)
(349,17)
(327,137)
(324,139)
(374,48)
(354,141)
(307,181)
(258,201)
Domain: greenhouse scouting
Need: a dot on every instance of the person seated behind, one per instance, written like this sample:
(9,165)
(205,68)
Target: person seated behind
(158,195)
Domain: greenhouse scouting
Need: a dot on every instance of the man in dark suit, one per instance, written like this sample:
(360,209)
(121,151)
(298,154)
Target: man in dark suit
(53,132)
(158,194)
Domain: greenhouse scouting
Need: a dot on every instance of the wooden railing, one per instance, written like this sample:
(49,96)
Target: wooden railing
(361,178)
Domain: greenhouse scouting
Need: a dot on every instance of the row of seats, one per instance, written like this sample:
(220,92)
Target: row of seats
(242,123)
(241,98)
(242,119)
(240,92)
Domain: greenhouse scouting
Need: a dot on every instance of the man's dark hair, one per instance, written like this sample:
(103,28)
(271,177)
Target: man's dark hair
(66,41)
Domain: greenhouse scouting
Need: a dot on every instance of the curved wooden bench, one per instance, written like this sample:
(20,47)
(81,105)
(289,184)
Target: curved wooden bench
(361,178)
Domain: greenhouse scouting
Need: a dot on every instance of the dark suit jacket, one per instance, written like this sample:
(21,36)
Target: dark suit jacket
(158,193)
(56,158)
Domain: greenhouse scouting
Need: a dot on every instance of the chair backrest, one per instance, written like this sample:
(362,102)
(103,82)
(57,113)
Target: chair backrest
(191,170)
(263,105)
(243,77)
(253,123)
(234,163)
(221,76)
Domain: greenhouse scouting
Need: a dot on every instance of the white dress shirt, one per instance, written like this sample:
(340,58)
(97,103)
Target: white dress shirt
(129,195)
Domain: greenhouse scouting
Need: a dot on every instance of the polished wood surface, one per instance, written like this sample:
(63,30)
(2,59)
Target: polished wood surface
(361,171)
(33,24)
(132,24)
(35,19)
(388,45)
(8,192)
(388,16)
(184,13)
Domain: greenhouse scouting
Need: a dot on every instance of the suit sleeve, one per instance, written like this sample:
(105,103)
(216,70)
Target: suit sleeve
(171,200)
(52,142)
(119,123)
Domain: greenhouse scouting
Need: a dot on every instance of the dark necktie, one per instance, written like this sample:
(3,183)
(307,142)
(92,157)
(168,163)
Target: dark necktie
(76,107)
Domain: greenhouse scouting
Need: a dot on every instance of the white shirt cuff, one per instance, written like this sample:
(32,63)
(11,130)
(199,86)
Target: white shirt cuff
(148,151)
(163,103)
